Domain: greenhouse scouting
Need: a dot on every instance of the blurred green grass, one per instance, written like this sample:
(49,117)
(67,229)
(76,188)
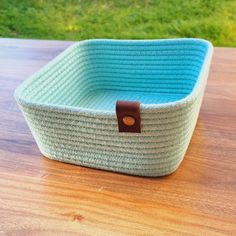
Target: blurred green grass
(214,20)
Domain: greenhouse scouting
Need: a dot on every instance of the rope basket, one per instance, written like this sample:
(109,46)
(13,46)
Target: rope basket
(71,106)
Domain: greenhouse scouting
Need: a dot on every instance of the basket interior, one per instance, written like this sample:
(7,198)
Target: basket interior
(96,73)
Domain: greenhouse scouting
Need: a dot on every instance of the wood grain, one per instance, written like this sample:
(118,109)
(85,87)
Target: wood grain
(43,197)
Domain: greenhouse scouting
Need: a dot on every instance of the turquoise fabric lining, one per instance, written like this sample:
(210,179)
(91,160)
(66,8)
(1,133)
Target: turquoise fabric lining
(151,72)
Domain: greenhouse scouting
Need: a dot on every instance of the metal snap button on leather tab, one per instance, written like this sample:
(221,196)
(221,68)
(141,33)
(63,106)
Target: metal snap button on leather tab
(128,116)
(128,120)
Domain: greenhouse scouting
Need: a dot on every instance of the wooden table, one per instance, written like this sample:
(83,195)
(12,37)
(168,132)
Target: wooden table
(44,197)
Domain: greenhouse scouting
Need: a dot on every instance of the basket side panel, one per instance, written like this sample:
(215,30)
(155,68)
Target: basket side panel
(96,142)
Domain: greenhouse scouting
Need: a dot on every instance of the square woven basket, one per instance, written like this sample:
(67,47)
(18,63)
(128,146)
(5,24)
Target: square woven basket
(70,104)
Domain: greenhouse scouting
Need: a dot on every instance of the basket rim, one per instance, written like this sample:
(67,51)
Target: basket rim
(185,101)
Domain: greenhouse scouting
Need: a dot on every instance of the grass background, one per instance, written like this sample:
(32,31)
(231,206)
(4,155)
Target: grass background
(214,20)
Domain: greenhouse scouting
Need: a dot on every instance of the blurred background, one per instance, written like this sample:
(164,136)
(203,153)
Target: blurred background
(214,20)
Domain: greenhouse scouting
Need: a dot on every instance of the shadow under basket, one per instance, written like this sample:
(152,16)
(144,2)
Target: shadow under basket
(70,104)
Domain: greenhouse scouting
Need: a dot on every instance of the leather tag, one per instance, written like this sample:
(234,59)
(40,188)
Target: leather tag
(128,116)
